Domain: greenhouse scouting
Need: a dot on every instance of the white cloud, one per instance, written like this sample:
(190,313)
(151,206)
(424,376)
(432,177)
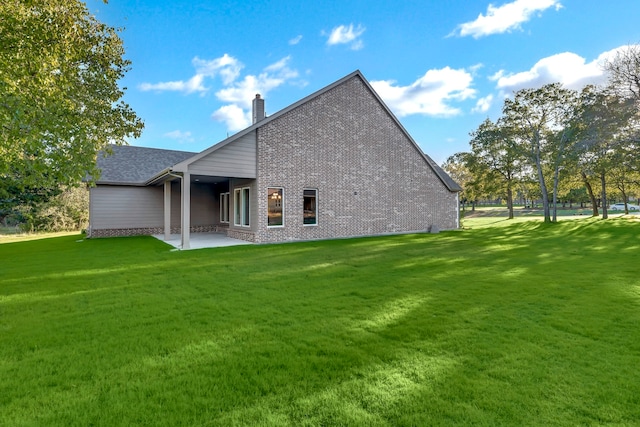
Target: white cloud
(237,113)
(483,104)
(194,84)
(236,93)
(431,94)
(504,18)
(295,40)
(242,92)
(475,68)
(234,117)
(227,67)
(181,137)
(347,35)
(567,68)
(281,65)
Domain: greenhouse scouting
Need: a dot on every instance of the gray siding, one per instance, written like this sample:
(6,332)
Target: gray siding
(237,159)
(203,205)
(116,207)
(142,208)
(371,178)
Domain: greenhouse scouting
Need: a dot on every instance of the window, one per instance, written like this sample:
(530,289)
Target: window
(237,206)
(245,207)
(274,207)
(241,207)
(224,207)
(310,206)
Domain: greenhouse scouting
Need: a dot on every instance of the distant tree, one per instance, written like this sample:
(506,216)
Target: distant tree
(529,188)
(476,182)
(66,211)
(60,102)
(457,168)
(498,154)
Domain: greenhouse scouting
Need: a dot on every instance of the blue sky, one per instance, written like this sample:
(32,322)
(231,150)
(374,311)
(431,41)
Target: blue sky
(441,66)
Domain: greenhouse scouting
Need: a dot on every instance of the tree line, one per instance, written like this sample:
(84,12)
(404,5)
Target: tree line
(552,143)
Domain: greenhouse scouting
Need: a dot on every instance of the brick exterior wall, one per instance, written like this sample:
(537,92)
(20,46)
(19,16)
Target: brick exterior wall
(371,179)
(150,231)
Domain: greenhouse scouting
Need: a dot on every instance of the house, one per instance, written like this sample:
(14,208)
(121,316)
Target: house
(335,164)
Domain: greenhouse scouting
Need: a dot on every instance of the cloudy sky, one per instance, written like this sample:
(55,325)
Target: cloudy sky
(441,66)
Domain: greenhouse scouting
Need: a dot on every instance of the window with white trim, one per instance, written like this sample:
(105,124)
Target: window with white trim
(224,207)
(310,206)
(275,207)
(241,207)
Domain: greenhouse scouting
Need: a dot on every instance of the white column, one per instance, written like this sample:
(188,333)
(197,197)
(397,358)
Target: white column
(185,229)
(167,210)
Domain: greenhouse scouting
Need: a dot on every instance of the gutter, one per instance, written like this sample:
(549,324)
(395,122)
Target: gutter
(160,175)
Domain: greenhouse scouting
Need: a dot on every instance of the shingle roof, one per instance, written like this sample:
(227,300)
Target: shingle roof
(136,165)
(444,176)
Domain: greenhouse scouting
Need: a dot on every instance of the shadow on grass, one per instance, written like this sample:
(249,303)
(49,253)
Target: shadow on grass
(457,327)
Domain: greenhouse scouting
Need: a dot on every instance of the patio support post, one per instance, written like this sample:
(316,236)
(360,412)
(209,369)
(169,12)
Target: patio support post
(185,229)
(167,210)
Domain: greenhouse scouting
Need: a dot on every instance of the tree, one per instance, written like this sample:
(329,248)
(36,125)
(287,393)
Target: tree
(606,123)
(67,211)
(496,151)
(540,118)
(477,182)
(624,78)
(624,71)
(456,167)
(625,173)
(60,103)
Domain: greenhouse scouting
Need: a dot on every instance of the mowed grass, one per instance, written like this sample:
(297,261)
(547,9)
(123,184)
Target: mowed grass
(523,324)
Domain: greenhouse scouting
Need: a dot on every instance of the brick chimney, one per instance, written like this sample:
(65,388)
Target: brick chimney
(258,108)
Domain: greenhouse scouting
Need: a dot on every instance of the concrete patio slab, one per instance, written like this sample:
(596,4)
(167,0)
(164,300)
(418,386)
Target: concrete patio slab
(203,240)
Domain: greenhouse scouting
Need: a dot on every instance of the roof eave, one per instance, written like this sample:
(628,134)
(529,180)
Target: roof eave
(159,177)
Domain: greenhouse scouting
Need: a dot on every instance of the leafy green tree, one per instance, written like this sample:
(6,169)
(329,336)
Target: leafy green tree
(607,125)
(625,174)
(539,118)
(60,102)
(477,182)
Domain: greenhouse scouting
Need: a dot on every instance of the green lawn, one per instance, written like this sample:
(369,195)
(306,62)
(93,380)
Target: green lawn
(523,324)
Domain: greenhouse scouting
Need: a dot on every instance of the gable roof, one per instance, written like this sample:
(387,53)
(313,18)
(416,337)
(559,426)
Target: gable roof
(133,165)
(440,173)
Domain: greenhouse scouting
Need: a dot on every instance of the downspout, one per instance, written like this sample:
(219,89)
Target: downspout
(457,210)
